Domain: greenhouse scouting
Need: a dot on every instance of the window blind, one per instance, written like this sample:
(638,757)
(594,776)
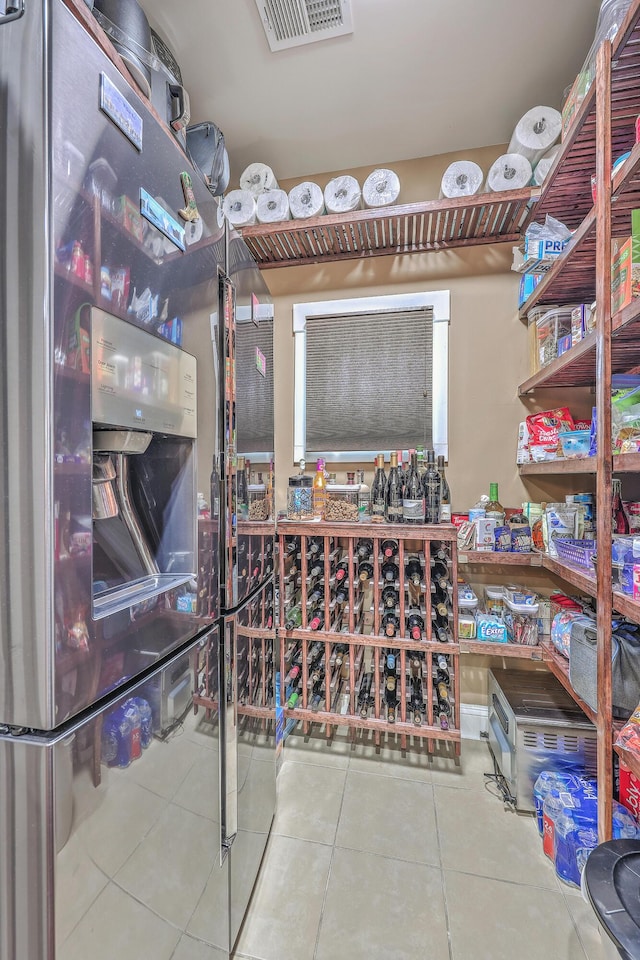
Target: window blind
(254,392)
(369,381)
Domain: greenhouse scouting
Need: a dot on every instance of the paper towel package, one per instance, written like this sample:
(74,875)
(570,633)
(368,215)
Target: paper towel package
(272,206)
(511,171)
(463,178)
(342,194)
(535,133)
(257,178)
(239,208)
(306,200)
(381,188)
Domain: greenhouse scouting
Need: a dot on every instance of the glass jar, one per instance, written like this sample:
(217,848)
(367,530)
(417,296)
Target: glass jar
(342,503)
(300,498)
(258,502)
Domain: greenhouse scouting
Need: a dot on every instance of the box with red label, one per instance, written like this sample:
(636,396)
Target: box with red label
(457,519)
(129,216)
(630,791)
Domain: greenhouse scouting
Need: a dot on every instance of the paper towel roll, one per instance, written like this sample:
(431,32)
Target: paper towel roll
(272,206)
(257,178)
(342,194)
(462,178)
(511,171)
(381,188)
(543,165)
(240,208)
(535,133)
(306,200)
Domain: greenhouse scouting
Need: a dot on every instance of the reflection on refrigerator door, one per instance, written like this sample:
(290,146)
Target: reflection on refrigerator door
(134,796)
(255,658)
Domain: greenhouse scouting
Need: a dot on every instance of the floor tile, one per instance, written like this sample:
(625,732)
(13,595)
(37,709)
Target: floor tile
(377,908)
(467,770)
(597,945)
(309,800)
(389,817)
(170,869)
(284,913)
(317,750)
(118,926)
(479,835)
(190,949)
(494,920)
(78,883)
(390,761)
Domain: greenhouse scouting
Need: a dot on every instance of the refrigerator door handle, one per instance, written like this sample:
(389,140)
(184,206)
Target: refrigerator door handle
(230,795)
(11,10)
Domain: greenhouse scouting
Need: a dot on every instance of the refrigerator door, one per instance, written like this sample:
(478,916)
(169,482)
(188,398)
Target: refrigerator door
(248,427)
(99,261)
(111,831)
(255,659)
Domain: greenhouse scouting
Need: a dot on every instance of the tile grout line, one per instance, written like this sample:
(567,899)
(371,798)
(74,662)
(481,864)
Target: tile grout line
(575,923)
(444,885)
(333,853)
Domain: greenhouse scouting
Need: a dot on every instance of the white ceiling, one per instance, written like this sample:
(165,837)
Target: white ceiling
(416,78)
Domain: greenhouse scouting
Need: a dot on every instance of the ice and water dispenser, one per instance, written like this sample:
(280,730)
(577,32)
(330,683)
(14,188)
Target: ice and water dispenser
(144,505)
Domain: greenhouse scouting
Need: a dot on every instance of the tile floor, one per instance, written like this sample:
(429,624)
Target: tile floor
(376,856)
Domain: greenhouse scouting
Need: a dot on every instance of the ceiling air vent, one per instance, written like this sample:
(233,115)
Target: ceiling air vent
(290,23)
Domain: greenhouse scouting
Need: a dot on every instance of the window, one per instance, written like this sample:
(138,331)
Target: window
(254,388)
(371,375)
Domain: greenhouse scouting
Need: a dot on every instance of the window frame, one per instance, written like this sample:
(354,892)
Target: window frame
(440,303)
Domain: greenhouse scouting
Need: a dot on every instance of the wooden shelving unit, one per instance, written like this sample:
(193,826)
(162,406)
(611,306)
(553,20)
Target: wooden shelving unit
(407,228)
(496,559)
(603,129)
(514,651)
(584,465)
(559,666)
(336,585)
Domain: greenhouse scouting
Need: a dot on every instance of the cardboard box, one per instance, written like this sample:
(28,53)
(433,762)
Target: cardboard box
(576,96)
(625,267)
(485,533)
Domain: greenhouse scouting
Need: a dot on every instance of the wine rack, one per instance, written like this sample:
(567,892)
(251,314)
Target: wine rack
(368,631)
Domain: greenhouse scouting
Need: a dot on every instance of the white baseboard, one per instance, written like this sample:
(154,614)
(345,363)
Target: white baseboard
(474,721)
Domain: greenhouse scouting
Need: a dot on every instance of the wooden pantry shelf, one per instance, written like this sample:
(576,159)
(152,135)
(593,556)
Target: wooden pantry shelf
(559,667)
(626,463)
(628,607)
(575,368)
(566,192)
(514,651)
(572,278)
(579,577)
(391,531)
(579,465)
(366,640)
(500,559)
(409,228)
(371,723)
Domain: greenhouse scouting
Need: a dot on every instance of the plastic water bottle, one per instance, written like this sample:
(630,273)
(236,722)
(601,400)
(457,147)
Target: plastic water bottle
(146,720)
(133,715)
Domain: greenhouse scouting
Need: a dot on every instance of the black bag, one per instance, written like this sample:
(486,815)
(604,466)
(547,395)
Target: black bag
(205,146)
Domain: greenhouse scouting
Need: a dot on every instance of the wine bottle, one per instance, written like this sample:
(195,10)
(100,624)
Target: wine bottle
(445,494)
(440,632)
(494,509)
(342,592)
(441,613)
(214,488)
(439,570)
(390,624)
(365,571)
(412,503)
(439,550)
(620,520)
(417,700)
(389,549)
(364,548)
(415,664)
(317,595)
(415,623)
(431,484)
(389,571)
(316,619)
(293,699)
(414,571)
(439,593)
(342,571)
(316,568)
(315,546)
(390,597)
(389,670)
(444,710)
(293,673)
(319,490)
(242,495)
(293,618)
(364,693)
(316,700)
(339,650)
(393,511)
(379,489)
(443,664)
(391,700)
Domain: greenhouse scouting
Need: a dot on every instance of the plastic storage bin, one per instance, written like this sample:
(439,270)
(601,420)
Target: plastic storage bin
(574,443)
(550,329)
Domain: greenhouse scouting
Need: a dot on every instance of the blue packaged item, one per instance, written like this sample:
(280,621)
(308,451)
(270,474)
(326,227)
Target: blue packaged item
(593,433)
(576,834)
(116,739)
(146,721)
(547,781)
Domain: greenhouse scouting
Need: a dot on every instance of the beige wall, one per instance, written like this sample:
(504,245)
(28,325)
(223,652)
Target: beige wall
(487,360)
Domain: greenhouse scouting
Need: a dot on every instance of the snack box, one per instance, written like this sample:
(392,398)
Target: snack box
(466,626)
(485,534)
(625,267)
(491,628)
(129,216)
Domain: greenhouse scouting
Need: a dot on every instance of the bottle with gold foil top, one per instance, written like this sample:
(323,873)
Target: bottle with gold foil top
(319,490)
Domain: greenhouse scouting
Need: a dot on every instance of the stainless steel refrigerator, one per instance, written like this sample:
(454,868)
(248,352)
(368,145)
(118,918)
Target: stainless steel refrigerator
(137,754)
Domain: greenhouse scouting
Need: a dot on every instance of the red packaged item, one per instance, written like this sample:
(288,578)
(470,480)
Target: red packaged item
(629,791)
(629,736)
(544,429)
